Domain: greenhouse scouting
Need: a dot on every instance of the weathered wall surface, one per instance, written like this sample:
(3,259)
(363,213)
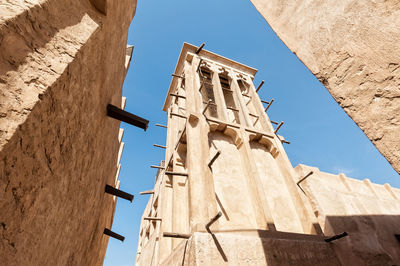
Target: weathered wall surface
(61,63)
(256,248)
(368,212)
(353,48)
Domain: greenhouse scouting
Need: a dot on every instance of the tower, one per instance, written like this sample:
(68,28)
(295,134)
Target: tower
(228,194)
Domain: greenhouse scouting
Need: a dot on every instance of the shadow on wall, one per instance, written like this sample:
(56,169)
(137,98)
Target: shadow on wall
(371,240)
(34,28)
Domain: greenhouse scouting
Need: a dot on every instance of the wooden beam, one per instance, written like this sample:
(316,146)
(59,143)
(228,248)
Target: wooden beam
(176,235)
(279,126)
(147,192)
(152,218)
(177,95)
(122,115)
(214,158)
(159,125)
(119,193)
(175,173)
(178,115)
(215,218)
(178,76)
(200,48)
(259,86)
(157,166)
(112,234)
(336,237)
(159,146)
(269,105)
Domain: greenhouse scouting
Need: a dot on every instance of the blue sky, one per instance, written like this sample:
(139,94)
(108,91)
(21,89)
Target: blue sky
(320,132)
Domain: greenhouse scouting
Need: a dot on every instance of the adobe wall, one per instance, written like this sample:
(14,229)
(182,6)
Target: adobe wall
(368,212)
(61,63)
(353,48)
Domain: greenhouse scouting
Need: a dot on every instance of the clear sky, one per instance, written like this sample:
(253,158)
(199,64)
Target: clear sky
(320,132)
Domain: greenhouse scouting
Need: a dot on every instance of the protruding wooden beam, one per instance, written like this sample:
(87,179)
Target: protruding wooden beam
(159,125)
(264,102)
(147,192)
(336,237)
(159,146)
(176,235)
(259,86)
(119,193)
(178,115)
(152,218)
(200,48)
(177,95)
(215,218)
(112,234)
(214,158)
(304,178)
(157,166)
(285,141)
(175,173)
(255,122)
(178,76)
(279,126)
(122,115)
(274,122)
(269,105)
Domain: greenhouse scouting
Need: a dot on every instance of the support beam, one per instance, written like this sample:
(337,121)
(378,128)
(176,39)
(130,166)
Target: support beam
(255,122)
(213,220)
(178,76)
(175,173)
(178,115)
(336,237)
(200,48)
(177,95)
(214,158)
(159,146)
(176,235)
(112,234)
(147,192)
(274,122)
(259,86)
(285,141)
(117,113)
(264,102)
(157,166)
(269,105)
(159,125)
(279,126)
(302,179)
(152,219)
(119,193)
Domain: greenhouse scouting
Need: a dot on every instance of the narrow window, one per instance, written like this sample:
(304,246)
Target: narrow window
(207,91)
(233,112)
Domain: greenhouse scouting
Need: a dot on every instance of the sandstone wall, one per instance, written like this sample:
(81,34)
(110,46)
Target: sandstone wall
(368,212)
(353,48)
(61,63)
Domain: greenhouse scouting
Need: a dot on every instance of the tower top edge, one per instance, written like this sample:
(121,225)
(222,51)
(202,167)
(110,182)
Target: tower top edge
(190,49)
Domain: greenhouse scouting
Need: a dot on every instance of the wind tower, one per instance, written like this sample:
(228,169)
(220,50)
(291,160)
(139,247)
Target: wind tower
(227,192)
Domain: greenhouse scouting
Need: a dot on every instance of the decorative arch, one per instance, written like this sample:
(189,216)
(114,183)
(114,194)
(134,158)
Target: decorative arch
(229,130)
(266,141)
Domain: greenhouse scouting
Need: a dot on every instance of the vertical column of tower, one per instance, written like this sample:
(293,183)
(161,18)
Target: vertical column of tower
(202,204)
(178,165)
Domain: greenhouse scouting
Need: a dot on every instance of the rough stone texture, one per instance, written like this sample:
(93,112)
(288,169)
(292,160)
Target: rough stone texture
(270,213)
(61,63)
(353,48)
